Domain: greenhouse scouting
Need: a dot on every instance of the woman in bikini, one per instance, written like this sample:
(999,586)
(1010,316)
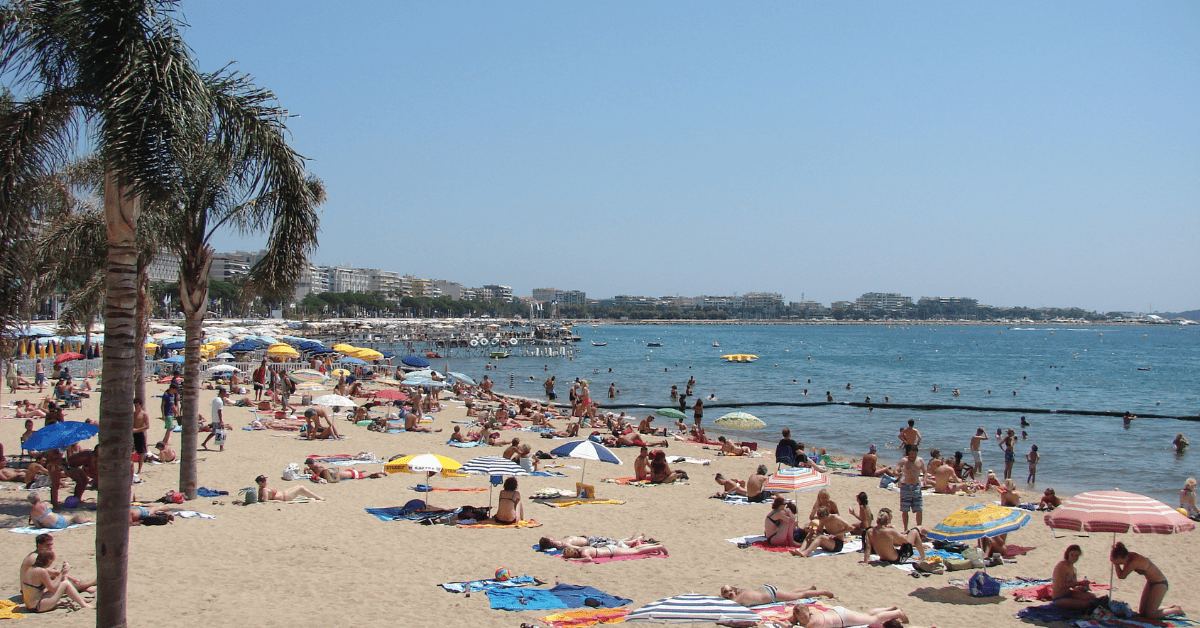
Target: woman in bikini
(41,515)
(509,509)
(780,525)
(1068,590)
(590,554)
(265,493)
(41,592)
(1128,562)
(840,616)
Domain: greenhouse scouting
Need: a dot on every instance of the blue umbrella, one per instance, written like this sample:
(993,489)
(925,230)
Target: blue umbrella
(585,450)
(175,359)
(174,345)
(462,378)
(352,361)
(59,436)
(243,346)
(415,361)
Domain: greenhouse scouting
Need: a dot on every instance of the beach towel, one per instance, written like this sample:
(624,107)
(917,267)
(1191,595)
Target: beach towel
(571,501)
(488,584)
(1016,550)
(524,523)
(425,488)
(208,492)
(524,599)
(574,596)
(398,513)
(1038,593)
(1048,613)
(589,617)
(29,530)
(454,443)
(548,474)
(7,606)
(554,551)
(736,500)
(625,481)
(1176,621)
(849,546)
(677,459)
(192,514)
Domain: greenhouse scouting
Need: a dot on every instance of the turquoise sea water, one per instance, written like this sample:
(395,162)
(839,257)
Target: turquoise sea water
(1090,368)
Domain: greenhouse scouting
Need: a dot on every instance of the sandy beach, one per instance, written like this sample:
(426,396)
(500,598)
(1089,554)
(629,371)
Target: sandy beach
(332,564)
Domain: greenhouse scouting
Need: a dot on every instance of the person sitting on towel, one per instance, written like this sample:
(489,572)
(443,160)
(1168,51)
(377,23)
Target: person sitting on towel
(732,487)
(828,535)
(886,541)
(660,473)
(509,509)
(769,594)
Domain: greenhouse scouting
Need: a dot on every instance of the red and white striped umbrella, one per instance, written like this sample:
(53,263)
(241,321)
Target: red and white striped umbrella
(796,479)
(1117,511)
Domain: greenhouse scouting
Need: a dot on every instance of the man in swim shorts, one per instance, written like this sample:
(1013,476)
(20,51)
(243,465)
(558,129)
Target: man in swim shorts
(976,441)
(888,543)
(754,485)
(912,476)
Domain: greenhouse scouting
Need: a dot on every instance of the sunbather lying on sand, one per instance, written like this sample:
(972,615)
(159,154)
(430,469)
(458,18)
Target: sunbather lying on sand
(589,554)
(337,475)
(632,439)
(593,541)
(769,594)
(267,494)
(839,616)
(137,513)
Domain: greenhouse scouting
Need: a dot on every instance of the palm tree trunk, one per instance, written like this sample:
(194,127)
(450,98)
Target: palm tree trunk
(143,325)
(116,404)
(193,292)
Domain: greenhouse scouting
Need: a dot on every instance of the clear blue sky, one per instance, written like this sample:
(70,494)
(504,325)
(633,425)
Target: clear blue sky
(1022,153)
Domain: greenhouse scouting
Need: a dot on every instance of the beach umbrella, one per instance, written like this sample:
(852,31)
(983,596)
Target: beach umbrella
(424,383)
(796,480)
(415,361)
(426,373)
(462,378)
(1117,511)
(344,348)
(349,360)
(336,401)
(387,381)
(493,466)
(585,450)
(175,359)
(693,608)
(310,386)
(283,351)
(307,376)
(223,356)
(671,413)
(979,521)
(243,346)
(172,345)
(60,435)
(429,464)
(67,357)
(222,368)
(367,354)
(394,395)
(341,372)
(740,421)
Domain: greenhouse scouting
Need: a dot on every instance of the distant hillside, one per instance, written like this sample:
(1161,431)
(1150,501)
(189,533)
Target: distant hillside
(1191,315)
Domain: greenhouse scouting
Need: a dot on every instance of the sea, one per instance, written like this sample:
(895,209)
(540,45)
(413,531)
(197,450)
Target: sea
(1139,369)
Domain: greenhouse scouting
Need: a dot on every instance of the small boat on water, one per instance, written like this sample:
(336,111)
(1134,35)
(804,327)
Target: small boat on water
(599,344)
(497,355)
(1143,368)
(653,344)
(431,354)
(739,357)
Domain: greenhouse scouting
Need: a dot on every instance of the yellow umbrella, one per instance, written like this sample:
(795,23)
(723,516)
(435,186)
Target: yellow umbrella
(344,349)
(340,372)
(283,351)
(423,463)
(150,346)
(367,354)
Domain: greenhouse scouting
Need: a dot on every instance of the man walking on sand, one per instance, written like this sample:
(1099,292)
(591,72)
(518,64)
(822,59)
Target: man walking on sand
(218,420)
(141,425)
(912,476)
(976,453)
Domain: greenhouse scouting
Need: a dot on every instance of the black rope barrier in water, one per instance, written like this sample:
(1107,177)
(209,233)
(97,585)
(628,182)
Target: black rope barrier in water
(929,407)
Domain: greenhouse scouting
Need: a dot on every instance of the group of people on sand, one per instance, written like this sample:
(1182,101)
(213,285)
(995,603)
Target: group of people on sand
(1072,592)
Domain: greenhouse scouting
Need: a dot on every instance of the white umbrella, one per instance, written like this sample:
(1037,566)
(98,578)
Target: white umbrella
(222,368)
(333,400)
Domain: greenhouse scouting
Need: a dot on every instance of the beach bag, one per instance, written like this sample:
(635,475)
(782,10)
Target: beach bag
(292,472)
(886,481)
(983,585)
(249,496)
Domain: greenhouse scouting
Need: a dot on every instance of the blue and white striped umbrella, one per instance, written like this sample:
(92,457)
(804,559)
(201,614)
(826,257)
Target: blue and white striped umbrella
(462,378)
(693,608)
(585,450)
(495,466)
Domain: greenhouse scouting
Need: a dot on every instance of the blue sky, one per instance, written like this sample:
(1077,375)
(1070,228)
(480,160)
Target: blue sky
(1020,153)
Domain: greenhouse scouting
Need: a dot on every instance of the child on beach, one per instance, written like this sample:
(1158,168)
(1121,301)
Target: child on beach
(1033,457)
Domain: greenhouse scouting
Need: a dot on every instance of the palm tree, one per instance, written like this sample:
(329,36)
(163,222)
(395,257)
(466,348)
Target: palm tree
(119,70)
(240,174)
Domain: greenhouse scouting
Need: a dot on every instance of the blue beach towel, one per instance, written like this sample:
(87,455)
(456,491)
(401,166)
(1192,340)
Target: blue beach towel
(454,443)
(208,492)
(561,596)
(1048,613)
(488,584)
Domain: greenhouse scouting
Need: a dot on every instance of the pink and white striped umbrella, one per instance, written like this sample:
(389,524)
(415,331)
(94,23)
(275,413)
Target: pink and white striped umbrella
(796,479)
(1117,511)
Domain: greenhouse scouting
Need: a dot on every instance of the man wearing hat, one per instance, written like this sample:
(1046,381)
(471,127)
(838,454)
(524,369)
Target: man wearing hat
(218,419)
(870,464)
